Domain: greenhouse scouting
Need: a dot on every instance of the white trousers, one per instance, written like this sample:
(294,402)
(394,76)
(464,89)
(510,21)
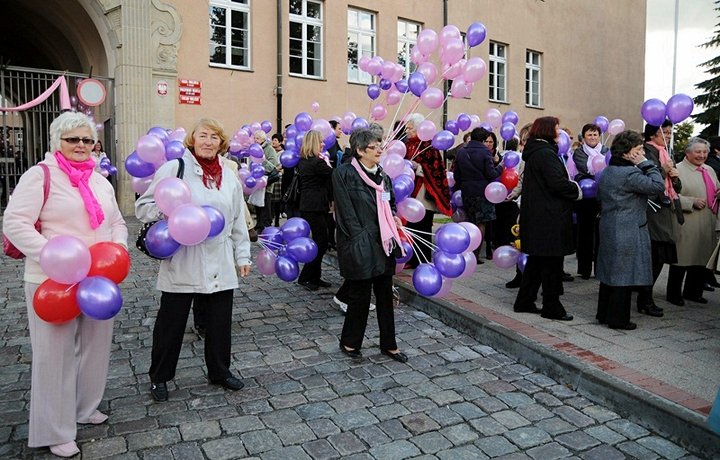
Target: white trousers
(69,371)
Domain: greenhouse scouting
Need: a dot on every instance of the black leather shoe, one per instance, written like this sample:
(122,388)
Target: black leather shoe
(708,288)
(514,283)
(651,310)
(200,331)
(566,317)
(676,301)
(159,391)
(584,276)
(567,277)
(231,383)
(399,356)
(535,310)
(701,299)
(350,353)
(324,284)
(624,327)
(713,283)
(309,286)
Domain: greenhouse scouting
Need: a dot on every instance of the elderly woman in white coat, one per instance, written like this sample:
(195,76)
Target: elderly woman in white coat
(696,237)
(207,272)
(70,360)
(624,249)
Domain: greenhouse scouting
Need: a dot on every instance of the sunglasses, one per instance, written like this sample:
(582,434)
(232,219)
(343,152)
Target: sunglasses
(76,140)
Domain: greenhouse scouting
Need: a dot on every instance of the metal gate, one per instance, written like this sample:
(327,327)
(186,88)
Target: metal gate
(25,136)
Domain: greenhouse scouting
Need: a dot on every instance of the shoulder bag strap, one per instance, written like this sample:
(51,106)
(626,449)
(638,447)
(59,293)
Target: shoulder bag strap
(181,169)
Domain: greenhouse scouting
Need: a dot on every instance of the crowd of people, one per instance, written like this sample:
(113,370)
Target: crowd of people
(648,212)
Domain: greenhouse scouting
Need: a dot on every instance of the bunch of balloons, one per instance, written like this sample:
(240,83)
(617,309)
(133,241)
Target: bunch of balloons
(106,167)
(284,248)
(678,108)
(453,258)
(614,127)
(152,150)
(304,122)
(81,279)
(496,192)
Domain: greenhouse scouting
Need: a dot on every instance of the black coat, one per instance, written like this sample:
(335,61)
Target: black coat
(315,185)
(474,169)
(359,248)
(547,202)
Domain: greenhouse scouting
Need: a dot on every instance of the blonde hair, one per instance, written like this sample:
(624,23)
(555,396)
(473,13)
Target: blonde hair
(66,122)
(214,126)
(310,142)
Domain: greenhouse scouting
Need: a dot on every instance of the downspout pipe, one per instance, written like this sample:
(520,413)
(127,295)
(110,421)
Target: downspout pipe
(279,78)
(446,86)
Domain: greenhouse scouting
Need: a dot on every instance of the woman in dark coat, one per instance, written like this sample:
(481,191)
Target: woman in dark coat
(474,170)
(367,241)
(314,205)
(545,220)
(624,252)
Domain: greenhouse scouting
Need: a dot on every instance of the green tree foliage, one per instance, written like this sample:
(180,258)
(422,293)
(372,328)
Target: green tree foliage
(683,133)
(710,98)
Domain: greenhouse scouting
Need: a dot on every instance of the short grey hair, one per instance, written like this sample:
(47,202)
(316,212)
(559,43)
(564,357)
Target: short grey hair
(67,122)
(415,118)
(697,140)
(376,129)
(261,134)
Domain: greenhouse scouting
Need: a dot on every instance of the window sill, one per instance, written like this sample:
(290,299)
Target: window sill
(538,107)
(495,101)
(228,67)
(306,77)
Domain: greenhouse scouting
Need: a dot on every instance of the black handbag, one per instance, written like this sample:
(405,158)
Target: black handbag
(142,234)
(273,176)
(291,197)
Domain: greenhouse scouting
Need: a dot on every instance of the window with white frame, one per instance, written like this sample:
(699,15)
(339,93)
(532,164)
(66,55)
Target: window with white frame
(497,72)
(407,37)
(306,37)
(229,43)
(361,42)
(533,68)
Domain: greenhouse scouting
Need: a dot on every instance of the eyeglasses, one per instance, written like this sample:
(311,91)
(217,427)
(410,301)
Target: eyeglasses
(373,147)
(76,140)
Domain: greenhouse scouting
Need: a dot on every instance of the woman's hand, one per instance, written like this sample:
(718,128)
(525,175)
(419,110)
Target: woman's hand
(398,221)
(672,172)
(243,270)
(699,203)
(636,157)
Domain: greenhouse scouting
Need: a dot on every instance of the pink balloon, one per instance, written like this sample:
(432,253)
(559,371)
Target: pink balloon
(396,146)
(323,126)
(387,69)
(65,259)
(448,33)
(393,165)
(150,149)
(315,106)
(493,117)
(374,66)
(452,51)
(596,163)
(399,268)
(427,41)
(426,130)
(393,96)
(505,256)
(496,192)
(347,120)
(474,121)
(451,179)
(616,127)
(432,98)
(460,88)
(474,69)
(416,56)
(170,193)
(429,70)
(475,235)
(379,112)
(363,63)
(140,185)
(470,263)
(189,224)
(411,209)
(445,288)
(266,262)
(399,73)
(451,72)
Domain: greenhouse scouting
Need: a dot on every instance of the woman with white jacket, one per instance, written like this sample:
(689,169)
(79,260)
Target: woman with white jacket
(207,272)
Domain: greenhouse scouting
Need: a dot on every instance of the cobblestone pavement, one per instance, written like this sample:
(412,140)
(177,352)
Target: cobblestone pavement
(455,399)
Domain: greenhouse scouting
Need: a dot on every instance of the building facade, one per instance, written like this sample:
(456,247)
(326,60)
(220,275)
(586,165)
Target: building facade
(170,62)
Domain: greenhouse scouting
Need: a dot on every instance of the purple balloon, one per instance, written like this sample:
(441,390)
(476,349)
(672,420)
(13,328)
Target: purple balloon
(266,126)
(256,170)
(417,83)
(443,140)
(408,253)
(286,268)
(402,186)
(158,241)
(99,298)
(385,84)
(427,279)
(291,132)
(255,150)
(464,121)
(510,117)
(452,238)
(411,209)
(653,111)
(602,123)
(505,256)
(65,259)
(303,249)
(486,126)
(563,143)
(475,34)
(250,182)
(217,220)
(459,215)
(511,159)
(174,150)
(160,133)
(272,235)
(289,159)
(295,227)
(360,123)
(589,188)
(373,91)
(449,265)
(402,86)
(291,145)
(265,262)
(679,107)
(456,199)
(452,126)
(136,167)
(507,131)
(112,170)
(303,121)
(522,262)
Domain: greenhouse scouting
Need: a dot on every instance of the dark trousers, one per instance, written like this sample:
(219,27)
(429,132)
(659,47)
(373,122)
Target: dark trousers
(694,282)
(586,212)
(343,294)
(614,305)
(264,214)
(506,214)
(312,271)
(199,310)
(645,293)
(545,271)
(170,328)
(425,225)
(358,300)
(331,229)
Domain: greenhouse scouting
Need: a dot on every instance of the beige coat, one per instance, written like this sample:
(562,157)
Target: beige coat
(695,239)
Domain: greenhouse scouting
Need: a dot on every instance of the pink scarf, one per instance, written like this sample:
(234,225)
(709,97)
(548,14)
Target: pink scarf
(664,159)
(79,173)
(710,190)
(388,228)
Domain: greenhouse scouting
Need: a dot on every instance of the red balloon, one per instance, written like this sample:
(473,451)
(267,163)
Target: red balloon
(110,260)
(509,178)
(55,302)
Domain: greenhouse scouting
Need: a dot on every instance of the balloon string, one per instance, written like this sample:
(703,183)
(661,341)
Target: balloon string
(415,235)
(268,244)
(416,246)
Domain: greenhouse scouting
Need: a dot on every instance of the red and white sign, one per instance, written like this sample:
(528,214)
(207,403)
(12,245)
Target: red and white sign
(189,91)
(162,88)
(91,92)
